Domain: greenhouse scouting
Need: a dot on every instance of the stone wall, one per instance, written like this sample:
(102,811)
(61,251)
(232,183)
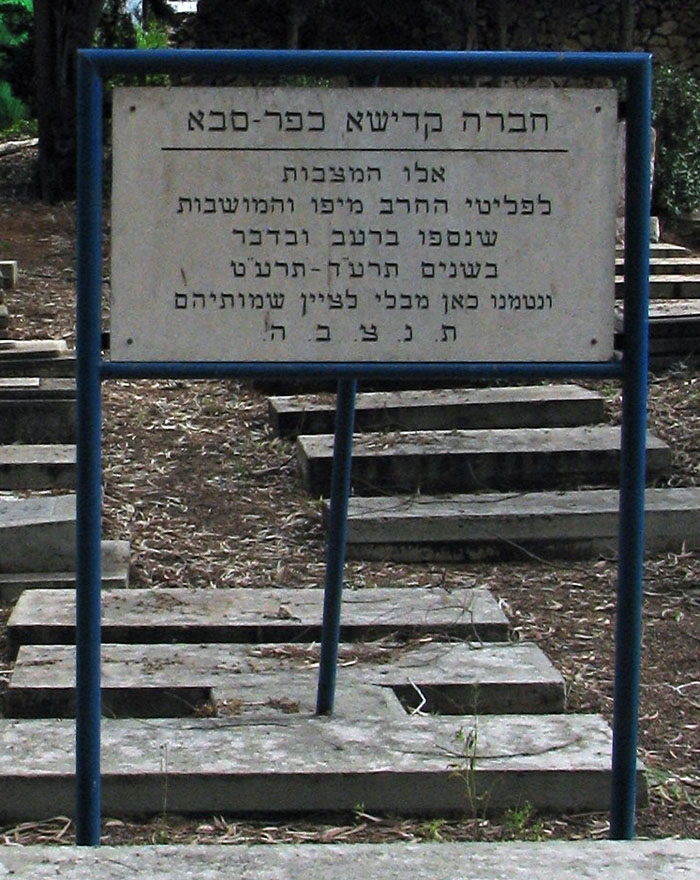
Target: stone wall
(670,29)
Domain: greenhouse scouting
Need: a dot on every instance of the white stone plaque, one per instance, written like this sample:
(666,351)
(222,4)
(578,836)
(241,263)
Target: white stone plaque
(363,225)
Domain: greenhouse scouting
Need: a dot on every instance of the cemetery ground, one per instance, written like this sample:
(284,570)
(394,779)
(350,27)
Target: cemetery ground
(210,499)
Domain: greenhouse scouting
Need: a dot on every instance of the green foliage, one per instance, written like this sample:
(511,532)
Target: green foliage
(12,110)
(116,29)
(431,829)
(23,128)
(305,80)
(119,30)
(465,769)
(15,22)
(154,35)
(521,823)
(15,60)
(15,29)
(676,117)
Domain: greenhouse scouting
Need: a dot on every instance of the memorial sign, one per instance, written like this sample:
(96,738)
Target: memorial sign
(363,225)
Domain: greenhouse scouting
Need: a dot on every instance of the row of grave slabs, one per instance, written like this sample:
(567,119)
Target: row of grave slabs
(361,232)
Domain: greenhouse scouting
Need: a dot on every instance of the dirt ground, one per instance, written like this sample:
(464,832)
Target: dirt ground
(209,498)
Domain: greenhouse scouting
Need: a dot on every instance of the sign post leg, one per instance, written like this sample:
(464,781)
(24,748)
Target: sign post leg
(89,457)
(338,521)
(628,634)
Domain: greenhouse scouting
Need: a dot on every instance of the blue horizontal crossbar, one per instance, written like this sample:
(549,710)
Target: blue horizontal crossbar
(367,63)
(334,370)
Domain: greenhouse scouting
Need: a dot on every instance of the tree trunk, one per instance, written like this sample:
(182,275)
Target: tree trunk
(61,28)
(298,13)
(295,19)
(502,21)
(628,15)
(469,16)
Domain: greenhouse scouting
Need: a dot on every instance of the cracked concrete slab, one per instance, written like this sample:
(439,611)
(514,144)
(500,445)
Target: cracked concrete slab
(503,525)
(415,765)
(258,615)
(37,532)
(442,409)
(37,540)
(50,364)
(166,680)
(469,461)
(115,575)
(667,286)
(551,860)
(37,466)
(21,349)
(37,421)
(36,388)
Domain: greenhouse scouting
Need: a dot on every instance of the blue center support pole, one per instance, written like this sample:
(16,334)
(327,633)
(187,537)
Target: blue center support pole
(337,534)
(88,451)
(628,634)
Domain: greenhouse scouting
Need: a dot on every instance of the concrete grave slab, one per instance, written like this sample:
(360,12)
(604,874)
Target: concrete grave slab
(166,680)
(659,249)
(36,388)
(37,535)
(115,574)
(468,461)
(37,532)
(476,678)
(8,274)
(673,346)
(37,410)
(37,466)
(257,615)
(37,421)
(290,694)
(510,525)
(678,317)
(669,265)
(667,286)
(53,365)
(20,349)
(413,766)
(443,409)
(151,681)
(36,357)
(666,248)
(674,328)
(550,860)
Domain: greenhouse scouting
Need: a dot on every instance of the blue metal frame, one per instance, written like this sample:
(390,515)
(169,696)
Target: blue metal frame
(93,65)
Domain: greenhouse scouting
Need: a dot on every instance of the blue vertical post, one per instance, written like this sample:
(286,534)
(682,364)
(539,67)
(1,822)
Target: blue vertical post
(633,464)
(337,534)
(88,480)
